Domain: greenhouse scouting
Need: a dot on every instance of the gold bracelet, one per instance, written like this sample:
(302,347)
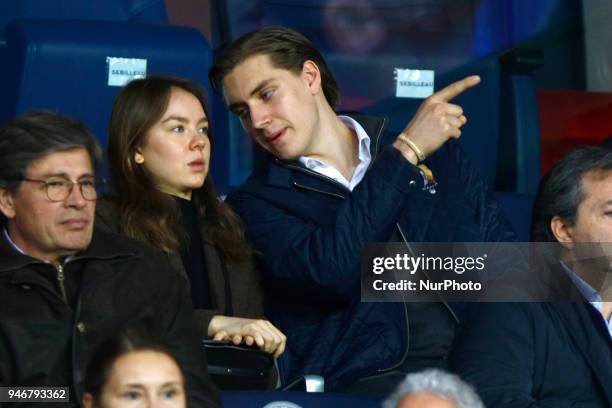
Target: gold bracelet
(428,174)
(419,153)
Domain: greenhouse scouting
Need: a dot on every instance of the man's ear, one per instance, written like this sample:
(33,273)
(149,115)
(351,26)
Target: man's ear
(563,231)
(312,75)
(7,206)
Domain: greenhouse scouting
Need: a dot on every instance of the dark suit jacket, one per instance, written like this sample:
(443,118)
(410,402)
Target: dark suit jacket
(535,355)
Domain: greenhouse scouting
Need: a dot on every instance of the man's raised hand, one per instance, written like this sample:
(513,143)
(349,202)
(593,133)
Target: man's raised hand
(436,120)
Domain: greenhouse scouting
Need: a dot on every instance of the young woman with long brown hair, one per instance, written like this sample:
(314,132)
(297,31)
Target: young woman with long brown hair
(159,154)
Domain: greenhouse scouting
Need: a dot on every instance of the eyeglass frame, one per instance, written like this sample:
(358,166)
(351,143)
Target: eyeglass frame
(96,183)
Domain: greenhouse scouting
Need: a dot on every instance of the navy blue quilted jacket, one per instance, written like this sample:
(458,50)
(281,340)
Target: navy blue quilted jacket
(309,231)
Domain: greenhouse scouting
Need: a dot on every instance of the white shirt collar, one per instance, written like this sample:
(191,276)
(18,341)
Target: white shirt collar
(21,251)
(364,155)
(11,242)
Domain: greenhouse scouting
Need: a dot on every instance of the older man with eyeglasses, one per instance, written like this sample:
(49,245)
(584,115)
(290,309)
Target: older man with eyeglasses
(64,287)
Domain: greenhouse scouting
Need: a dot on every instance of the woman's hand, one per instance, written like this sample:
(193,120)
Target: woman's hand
(250,331)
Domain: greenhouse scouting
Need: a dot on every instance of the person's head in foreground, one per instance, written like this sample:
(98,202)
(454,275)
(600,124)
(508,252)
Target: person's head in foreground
(48,194)
(433,388)
(133,369)
(159,147)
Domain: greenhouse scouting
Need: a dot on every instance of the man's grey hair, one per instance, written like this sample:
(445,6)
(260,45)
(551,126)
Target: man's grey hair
(437,382)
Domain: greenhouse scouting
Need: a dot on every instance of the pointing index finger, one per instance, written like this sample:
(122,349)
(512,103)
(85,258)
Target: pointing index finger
(456,88)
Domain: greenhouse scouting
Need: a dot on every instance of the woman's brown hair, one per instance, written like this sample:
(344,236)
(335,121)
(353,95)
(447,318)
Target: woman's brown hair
(146,213)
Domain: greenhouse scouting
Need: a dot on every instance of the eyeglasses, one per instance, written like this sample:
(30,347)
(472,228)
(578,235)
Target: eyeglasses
(59,189)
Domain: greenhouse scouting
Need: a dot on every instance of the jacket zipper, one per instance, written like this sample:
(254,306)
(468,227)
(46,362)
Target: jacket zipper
(444,302)
(316,190)
(60,281)
(407,320)
(77,360)
(313,173)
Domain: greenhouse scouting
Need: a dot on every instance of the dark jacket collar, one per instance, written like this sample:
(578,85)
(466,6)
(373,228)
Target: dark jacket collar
(103,246)
(279,171)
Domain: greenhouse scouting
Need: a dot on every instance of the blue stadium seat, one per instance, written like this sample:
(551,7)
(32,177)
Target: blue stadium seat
(63,66)
(103,10)
(295,399)
(517,209)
